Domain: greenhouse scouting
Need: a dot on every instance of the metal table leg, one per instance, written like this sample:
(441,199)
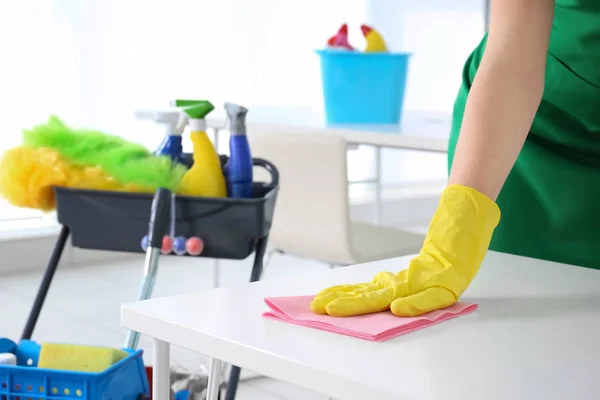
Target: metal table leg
(214,379)
(378,188)
(42,292)
(257,268)
(161,377)
(216,273)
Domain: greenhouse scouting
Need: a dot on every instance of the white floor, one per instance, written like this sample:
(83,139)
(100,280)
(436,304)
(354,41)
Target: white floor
(83,306)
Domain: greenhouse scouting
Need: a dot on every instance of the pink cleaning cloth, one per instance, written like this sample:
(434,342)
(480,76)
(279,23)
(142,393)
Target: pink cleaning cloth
(375,327)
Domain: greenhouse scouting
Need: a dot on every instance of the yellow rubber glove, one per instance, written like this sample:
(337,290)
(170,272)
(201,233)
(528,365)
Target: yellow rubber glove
(456,243)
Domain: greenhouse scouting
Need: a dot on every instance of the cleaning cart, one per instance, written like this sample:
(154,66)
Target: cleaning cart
(230,228)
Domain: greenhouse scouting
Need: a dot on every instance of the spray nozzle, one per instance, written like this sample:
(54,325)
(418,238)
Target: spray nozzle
(174,120)
(194,109)
(236,115)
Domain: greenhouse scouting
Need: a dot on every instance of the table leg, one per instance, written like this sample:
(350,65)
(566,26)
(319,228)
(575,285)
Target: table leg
(214,379)
(378,195)
(216,137)
(216,273)
(161,379)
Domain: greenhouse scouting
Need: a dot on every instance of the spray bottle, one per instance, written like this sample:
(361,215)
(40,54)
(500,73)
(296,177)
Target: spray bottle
(239,167)
(205,177)
(174,123)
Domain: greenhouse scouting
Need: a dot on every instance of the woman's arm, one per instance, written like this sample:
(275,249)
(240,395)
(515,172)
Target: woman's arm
(505,94)
(500,109)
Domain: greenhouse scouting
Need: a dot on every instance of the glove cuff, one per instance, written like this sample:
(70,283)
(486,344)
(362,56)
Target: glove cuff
(465,217)
(460,234)
(471,201)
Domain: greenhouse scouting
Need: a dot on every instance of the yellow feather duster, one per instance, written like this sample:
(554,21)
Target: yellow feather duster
(28,175)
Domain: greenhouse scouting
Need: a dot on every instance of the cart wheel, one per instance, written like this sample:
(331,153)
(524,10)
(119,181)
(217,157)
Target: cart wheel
(142,396)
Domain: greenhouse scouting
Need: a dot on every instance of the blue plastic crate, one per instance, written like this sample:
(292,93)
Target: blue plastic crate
(125,380)
(363,88)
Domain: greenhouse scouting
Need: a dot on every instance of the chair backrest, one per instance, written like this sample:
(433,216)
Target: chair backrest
(312,217)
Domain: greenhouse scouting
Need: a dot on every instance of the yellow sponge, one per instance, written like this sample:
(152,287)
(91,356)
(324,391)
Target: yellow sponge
(69,357)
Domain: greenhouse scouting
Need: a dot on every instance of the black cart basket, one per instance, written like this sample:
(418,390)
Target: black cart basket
(230,228)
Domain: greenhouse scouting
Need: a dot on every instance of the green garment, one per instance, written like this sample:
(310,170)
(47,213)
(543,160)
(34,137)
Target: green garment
(550,202)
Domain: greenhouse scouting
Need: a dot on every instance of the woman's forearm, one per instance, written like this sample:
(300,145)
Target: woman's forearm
(504,96)
(499,112)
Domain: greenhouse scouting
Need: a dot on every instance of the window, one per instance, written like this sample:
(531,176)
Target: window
(36,75)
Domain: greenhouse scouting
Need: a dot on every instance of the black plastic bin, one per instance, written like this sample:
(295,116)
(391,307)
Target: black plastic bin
(117,221)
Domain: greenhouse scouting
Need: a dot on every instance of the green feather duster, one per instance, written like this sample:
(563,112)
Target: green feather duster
(125,161)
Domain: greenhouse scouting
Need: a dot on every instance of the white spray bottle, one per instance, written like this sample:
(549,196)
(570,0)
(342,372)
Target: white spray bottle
(174,122)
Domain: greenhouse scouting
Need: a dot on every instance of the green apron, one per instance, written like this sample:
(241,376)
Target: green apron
(550,202)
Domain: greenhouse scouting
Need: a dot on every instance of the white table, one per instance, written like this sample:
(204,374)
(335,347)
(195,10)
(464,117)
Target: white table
(418,131)
(422,131)
(536,335)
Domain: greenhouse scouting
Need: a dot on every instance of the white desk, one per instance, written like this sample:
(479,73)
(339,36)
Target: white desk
(418,131)
(536,335)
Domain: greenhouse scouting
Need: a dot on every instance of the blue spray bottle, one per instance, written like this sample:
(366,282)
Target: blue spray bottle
(239,167)
(174,122)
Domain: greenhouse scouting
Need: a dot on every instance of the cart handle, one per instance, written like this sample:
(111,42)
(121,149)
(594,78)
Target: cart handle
(271,169)
(188,161)
(257,162)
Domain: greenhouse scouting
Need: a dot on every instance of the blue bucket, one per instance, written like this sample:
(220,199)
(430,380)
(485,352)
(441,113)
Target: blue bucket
(363,88)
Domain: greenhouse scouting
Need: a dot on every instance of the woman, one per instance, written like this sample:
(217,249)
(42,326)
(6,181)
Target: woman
(525,141)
